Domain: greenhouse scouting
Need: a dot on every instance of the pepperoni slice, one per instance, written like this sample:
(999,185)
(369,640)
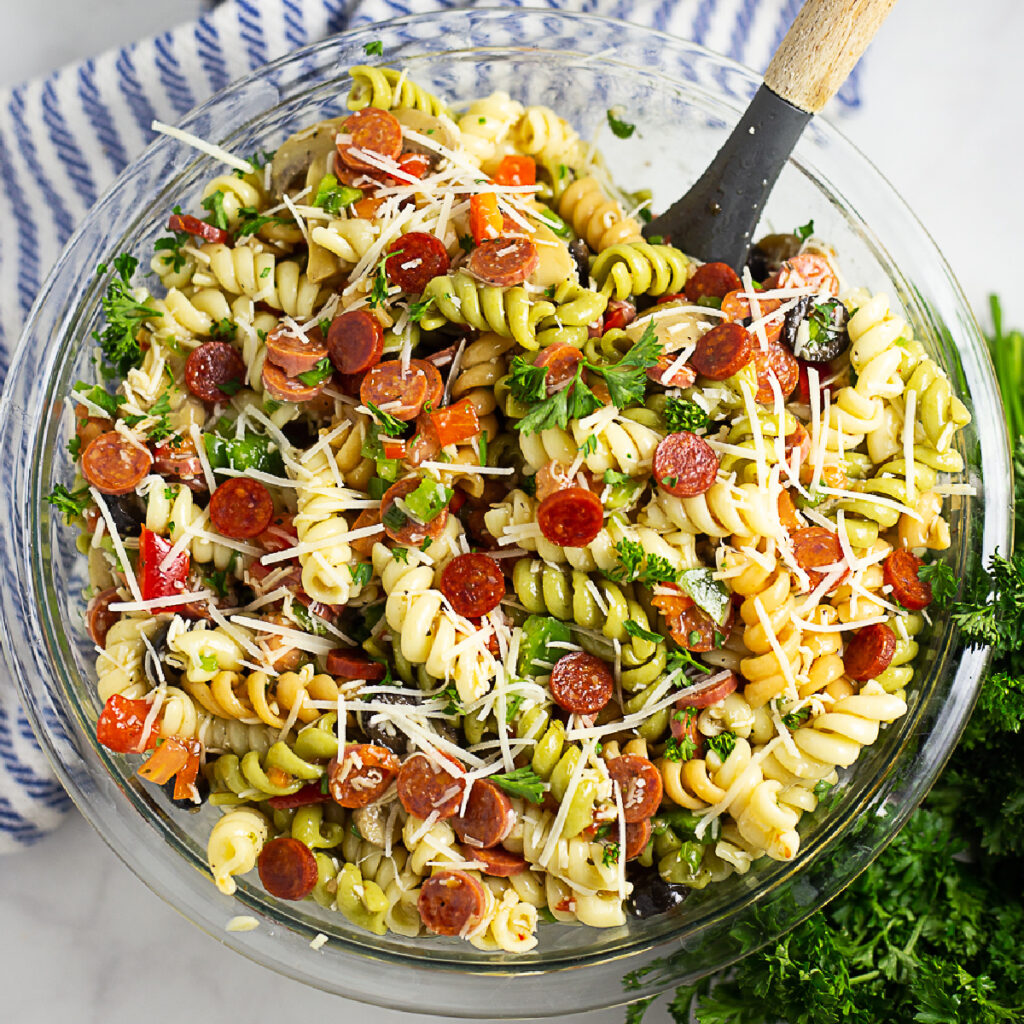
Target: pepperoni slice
(800,442)
(504,261)
(425,787)
(571,518)
(212,366)
(638,835)
(418,258)
(295,353)
(355,341)
(399,394)
(495,860)
(581,683)
(639,783)
(808,270)
(474,584)
(561,360)
(241,508)
(435,386)
(900,570)
(371,130)
(870,652)
(736,306)
(722,351)
(681,377)
(177,458)
(685,465)
(410,531)
(710,695)
(714,280)
(287,868)
(362,776)
(452,903)
(488,818)
(347,665)
(815,547)
(288,389)
(618,314)
(113,465)
(194,226)
(691,627)
(778,363)
(99,618)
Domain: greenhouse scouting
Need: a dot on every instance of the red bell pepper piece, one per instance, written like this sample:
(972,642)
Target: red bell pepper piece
(154,581)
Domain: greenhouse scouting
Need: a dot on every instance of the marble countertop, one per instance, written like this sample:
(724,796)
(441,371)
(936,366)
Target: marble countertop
(940,119)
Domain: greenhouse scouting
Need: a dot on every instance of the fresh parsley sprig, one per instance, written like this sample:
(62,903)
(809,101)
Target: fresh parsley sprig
(124,315)
(636,564)
(621,129)
(71,503)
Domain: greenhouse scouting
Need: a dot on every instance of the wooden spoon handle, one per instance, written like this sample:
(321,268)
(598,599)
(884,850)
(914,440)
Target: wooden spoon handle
(821,48)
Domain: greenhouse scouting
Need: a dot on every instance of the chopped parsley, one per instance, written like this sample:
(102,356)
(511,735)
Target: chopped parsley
(217,581)
(805,230)
(680,750)
(723,744)
(374,49)
(391,425)
(636,565)
(379,291)
(100,398)
(683,660)
(401,555)
(610,855)
(417,310)
(361,573)
(250,220)
(466,243)
(214,204)
(124,314)
(620,129)
(569,403)
(636,630)
(170,245)
(796,718)
(682,414)
(224,330)
(526,382)
(71,503)
(523,782)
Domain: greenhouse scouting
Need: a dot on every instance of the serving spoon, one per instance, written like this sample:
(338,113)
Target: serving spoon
(717,218)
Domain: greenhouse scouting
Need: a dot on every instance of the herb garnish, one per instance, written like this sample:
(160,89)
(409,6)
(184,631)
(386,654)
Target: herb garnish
(523,782)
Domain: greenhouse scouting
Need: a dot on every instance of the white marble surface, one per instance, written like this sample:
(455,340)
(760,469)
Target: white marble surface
(81,940)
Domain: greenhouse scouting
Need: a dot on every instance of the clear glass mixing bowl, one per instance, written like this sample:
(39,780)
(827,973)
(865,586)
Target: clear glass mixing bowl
(683,100)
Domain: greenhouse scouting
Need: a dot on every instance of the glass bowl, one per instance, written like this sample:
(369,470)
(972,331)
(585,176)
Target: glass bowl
(683,100)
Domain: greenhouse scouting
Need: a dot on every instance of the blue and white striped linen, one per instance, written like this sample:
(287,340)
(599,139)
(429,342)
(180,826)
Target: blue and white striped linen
(64,138)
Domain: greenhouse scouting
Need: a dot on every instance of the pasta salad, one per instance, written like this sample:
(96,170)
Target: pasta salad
(479,560)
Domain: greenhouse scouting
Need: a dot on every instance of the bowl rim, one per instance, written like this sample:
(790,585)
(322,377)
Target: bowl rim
(973,662)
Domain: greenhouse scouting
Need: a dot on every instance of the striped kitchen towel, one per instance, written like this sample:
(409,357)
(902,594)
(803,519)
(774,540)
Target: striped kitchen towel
(64,138)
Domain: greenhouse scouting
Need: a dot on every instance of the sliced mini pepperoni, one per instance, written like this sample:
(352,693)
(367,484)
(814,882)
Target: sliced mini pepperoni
(712,280)
(474,584)
(362,776)
(684,725)
(581,683)
(639,783)
(113,465)
(177,458)
(691,627)
(870,652)
(562,361)
(295,353)
(424,443)
(814,547)
(495,860)
(369,130)
(408,530)
(504,261)
(435,386)
(288,389)
(214,366)
(778,363)
(901,571)
(681,376)
(418,258)
(452,903)
(571,518)
(488,817)
(736,306)
(355,341)
(638,835)
(88,428)
(808,270)
(709,695)
(280,534)
(425,788)
(685,465)
(400,394)
(287,868)
(800,442)
(722,351)
(99,618)
(347,665)
(241,508)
